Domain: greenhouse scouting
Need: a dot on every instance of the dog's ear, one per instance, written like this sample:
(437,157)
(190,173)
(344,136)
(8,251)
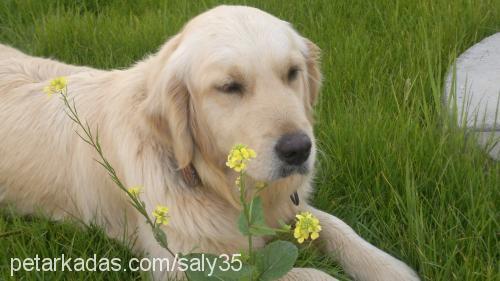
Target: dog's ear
(314,77)
(167,102)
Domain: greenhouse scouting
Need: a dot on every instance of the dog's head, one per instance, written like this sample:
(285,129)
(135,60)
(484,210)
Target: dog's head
(238,75)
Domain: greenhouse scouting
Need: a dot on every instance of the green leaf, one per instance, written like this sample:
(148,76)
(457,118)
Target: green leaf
(207,267)
(257,222)
(275,260)
(260,230)
(160,237)
(242,224)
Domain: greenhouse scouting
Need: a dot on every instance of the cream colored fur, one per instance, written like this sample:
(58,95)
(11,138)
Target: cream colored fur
(163,114)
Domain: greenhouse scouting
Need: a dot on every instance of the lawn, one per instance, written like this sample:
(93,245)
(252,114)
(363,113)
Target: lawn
(391,165)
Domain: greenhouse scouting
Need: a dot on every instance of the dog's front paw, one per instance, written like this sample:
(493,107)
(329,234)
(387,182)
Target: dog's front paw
(387,269)
(309,274)
(399,272)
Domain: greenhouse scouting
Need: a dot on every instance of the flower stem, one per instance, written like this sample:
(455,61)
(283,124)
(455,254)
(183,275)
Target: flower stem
(247,211)
(93,141)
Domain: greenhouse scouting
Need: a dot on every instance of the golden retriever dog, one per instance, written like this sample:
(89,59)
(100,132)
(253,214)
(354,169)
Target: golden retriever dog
(232,75)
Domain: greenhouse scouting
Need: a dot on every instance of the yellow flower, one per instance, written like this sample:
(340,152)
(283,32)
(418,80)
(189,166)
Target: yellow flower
(239,156)
(59,83)
(135,190)
(260,185)
(161,215)
(49,90)
(306,225)
(56,85)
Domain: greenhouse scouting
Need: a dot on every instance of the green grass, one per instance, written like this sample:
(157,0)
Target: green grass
(389,165)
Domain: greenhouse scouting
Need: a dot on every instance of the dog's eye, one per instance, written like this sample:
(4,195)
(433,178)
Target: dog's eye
(231,88)
(293,73)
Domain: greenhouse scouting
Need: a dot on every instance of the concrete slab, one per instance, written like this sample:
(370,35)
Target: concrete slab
(473,87)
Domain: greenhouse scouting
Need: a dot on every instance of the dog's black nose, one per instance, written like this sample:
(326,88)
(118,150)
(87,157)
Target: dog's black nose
(294,149)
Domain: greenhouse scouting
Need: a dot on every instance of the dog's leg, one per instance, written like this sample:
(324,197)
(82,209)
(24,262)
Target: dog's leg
(309,274)
(359,258)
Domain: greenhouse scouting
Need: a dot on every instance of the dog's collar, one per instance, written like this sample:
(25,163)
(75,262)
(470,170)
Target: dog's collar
(190,176)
